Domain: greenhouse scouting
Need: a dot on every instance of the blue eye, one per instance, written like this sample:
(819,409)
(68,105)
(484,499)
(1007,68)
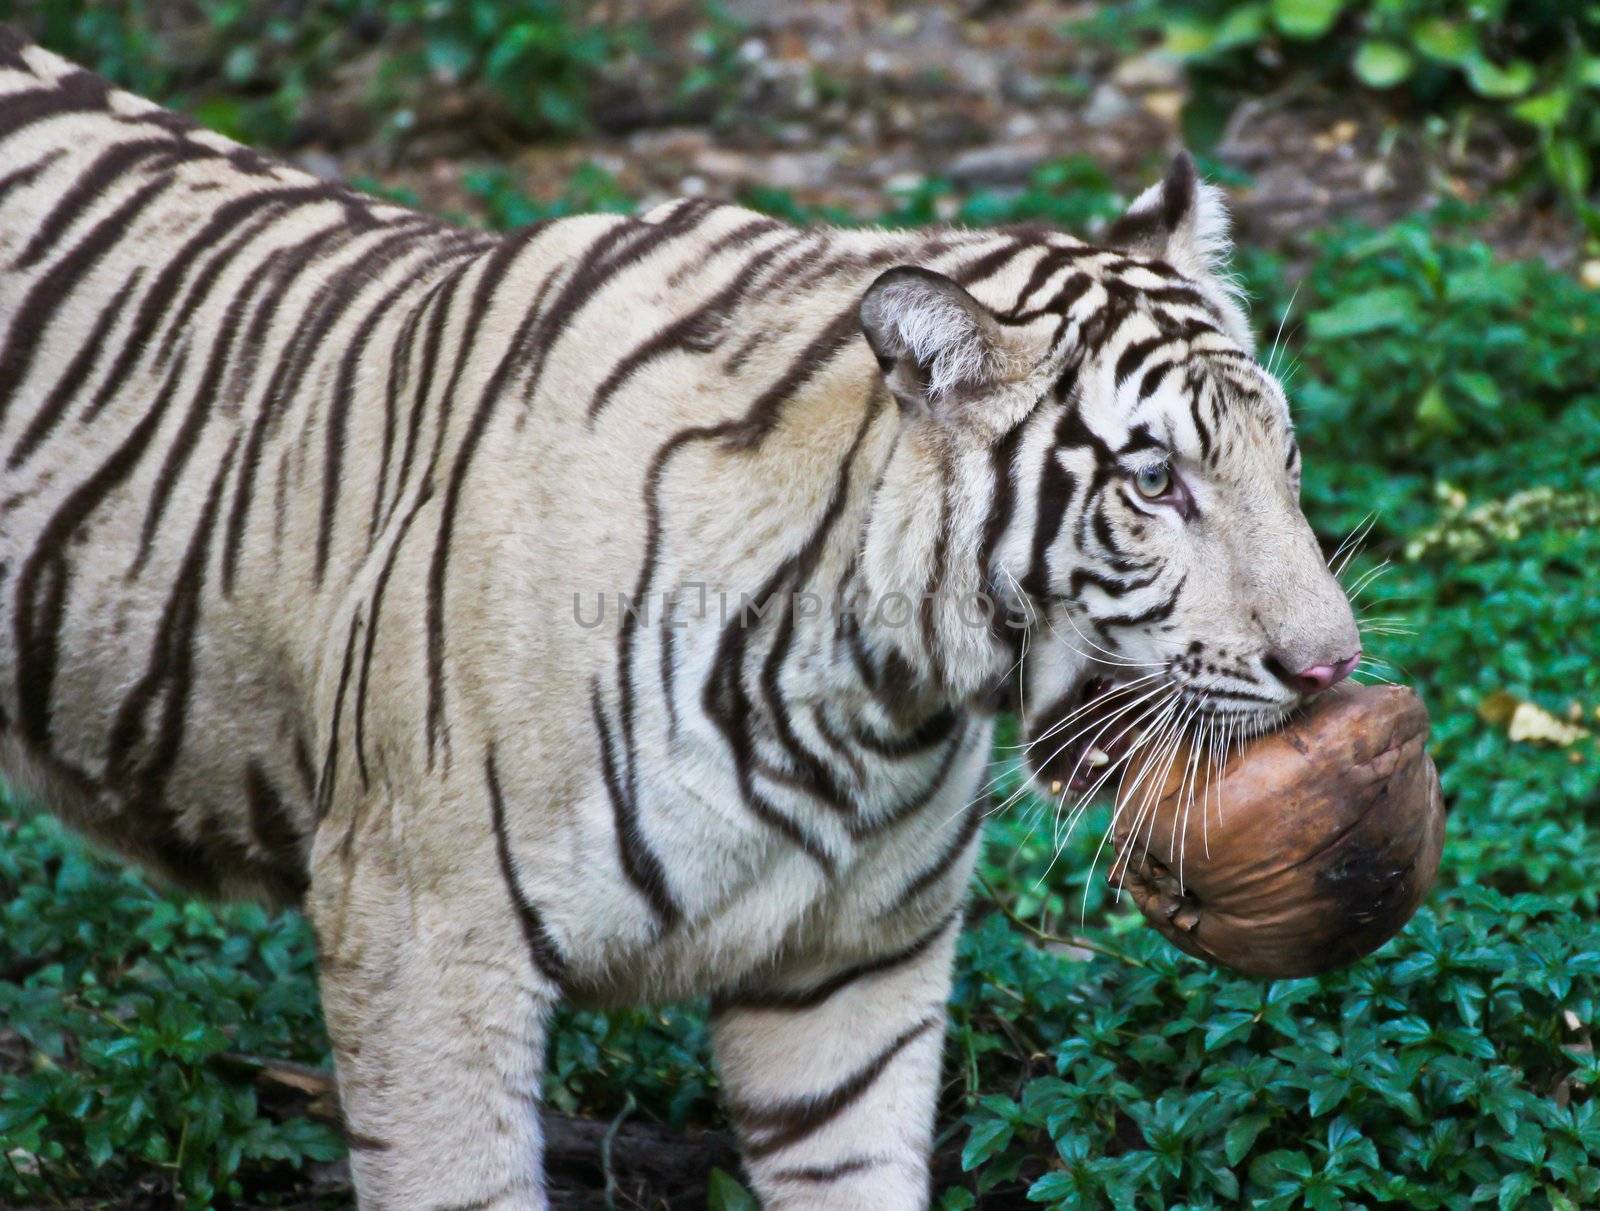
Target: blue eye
(1153,481)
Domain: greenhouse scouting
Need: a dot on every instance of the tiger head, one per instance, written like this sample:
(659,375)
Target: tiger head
(1091,445)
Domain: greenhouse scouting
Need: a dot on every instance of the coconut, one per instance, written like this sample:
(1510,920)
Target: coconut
(1302,850)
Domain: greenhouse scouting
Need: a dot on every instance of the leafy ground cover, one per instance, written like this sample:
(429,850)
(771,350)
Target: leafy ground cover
(1453,1068)
(1448,406)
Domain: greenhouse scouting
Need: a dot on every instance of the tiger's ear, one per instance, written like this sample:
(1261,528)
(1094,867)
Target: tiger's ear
(1184,221)
(1180,219)
(935,342)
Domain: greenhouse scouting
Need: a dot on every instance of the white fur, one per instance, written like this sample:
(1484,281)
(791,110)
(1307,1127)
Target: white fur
(763,452)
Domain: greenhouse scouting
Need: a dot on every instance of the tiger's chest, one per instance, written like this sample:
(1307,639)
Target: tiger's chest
(708,878)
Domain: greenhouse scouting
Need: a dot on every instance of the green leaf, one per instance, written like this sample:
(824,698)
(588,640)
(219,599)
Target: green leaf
(1054,1187)
(1433,415)
(1306,19)
(1545,110)
(1371,311)
(1225,1028)
(1188,39)
(1514,1191)
(1241,1136)
(1448,41)
(724,1192)
(1380,64)
(988,1138)
(1490,79)
(1479,387)
(1569,165)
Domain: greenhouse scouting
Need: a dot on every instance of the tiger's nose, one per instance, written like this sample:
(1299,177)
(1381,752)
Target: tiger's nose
(1314,678)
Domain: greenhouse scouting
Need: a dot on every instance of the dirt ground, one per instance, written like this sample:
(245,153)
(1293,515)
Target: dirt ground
(839,101)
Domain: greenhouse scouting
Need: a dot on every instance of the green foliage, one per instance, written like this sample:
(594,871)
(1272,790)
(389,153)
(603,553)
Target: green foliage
(536,57)
(505,206)
(121,1002)
(1533,65)
(1072,193)
(249,70)
(1419,1079)
(1447,356)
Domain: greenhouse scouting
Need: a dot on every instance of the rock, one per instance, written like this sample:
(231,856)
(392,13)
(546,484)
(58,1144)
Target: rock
(997,164)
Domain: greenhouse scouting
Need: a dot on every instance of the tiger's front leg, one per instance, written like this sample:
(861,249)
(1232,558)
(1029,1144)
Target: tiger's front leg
(832,1078)
(437,1019)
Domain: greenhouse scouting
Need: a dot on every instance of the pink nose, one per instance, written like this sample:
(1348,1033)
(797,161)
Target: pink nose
(1319,677)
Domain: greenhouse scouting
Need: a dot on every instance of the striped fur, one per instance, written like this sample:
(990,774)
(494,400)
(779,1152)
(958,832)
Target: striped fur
(314,518)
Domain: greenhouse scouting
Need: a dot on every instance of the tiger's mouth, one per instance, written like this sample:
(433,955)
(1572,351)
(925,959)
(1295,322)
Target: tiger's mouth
(1083,737)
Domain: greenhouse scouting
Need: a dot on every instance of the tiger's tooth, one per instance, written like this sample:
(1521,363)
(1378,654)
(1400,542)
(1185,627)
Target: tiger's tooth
(1098,757)
(1055,787)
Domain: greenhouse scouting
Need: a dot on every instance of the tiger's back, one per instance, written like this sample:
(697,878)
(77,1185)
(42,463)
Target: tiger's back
(288,469)
(160,295)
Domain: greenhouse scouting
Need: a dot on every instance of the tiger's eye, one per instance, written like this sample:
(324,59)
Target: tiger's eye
(1153,481)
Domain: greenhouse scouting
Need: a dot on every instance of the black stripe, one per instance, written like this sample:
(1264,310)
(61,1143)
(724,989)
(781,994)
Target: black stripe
(93,183)
(1194,382)
(1156,613)
(1003,498)
(1134,354)
(742,433)
(379,589)
(29,325)
(958,744)
(971,822)
(365,1143)
(330,756)
(493,390)
(639,862)
(810,998)
(1054,259)
(927,621)
(541,946)
(272,828)
(134,758)
(819,1175)
(399,365)
(783,1124)
(439,310)
(72,379)
(175,324)
(21,178)
(815,776)
(930,732)
(77,92)
(296,356)
(45,575)
(354,278)
(591,273)
(1057,488)
(201,401)
(698,330)
(155,308)
(599,265)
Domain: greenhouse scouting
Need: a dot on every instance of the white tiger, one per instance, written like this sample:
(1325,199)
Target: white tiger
(314,518)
